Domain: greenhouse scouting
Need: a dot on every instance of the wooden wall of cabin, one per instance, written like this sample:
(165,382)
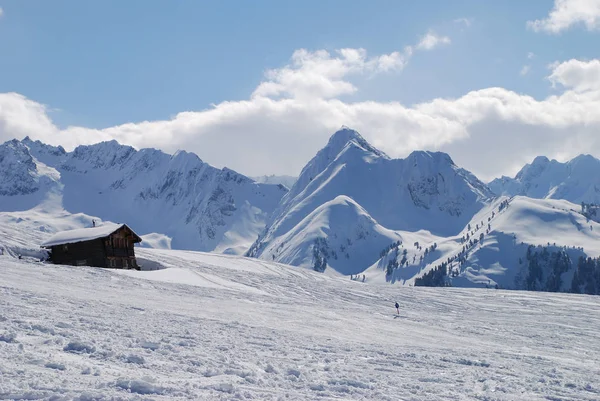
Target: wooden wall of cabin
(88,253)
(120,249)
(119,244)
(114,251)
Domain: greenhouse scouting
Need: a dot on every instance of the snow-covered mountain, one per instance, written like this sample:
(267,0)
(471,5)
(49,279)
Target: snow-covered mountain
(353,210)
(577,180)
(515,243)
(179,196)
(352,200)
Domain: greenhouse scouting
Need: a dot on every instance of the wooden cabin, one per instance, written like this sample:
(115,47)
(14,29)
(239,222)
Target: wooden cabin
(109,245)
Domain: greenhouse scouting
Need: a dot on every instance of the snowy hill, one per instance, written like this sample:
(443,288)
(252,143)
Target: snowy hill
(190,204)
(498,247)
(576,181)
(325,238)
(380,197)
(218,327)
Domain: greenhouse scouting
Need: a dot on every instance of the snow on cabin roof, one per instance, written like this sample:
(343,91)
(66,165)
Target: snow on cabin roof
(84,234)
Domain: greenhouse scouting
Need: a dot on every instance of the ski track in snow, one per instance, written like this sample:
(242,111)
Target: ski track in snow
(250,329)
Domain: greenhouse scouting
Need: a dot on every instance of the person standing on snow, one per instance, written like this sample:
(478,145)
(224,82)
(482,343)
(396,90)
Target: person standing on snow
(397,308)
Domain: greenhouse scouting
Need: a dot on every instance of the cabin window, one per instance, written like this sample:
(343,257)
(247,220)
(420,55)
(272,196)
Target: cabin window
(112,263)
(125,264)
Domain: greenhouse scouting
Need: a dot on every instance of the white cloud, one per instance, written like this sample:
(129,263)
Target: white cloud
(578,75)
(320,75)
(489,131)
(20,117)
(432,40)
(567,13)
(530,55)
(525,70)
(1,12)
(464,21)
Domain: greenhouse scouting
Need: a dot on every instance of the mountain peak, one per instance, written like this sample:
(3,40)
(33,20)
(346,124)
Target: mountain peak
(18,169)
(430,157)
(342,139)
(344,136)
(16,147)
(13,143)
(182,156)
(584,160)
(540,160)
(537,167)
(42,151)
(575,180)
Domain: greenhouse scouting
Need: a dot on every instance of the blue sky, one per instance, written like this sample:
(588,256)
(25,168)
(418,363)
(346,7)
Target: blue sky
(103,64)
(111,62)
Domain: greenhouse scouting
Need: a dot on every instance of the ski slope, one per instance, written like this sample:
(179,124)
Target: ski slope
(207,326)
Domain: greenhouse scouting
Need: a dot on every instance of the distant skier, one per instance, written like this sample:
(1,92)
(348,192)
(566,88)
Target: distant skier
(397,308)
(93,223)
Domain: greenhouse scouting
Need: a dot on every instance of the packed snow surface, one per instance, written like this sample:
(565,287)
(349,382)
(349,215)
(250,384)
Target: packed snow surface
(208,326)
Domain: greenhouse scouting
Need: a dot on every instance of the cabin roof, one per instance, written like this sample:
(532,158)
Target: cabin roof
(86,234)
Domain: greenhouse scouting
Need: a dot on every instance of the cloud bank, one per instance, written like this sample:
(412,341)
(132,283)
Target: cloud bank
(294,110)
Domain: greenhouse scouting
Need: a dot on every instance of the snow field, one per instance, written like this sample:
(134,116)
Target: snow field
(220,327)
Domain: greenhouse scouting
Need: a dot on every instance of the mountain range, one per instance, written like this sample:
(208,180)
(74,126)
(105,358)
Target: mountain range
(179,197)
(353,210)
(576,180)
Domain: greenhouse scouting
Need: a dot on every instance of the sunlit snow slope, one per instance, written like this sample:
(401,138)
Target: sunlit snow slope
(222,327)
